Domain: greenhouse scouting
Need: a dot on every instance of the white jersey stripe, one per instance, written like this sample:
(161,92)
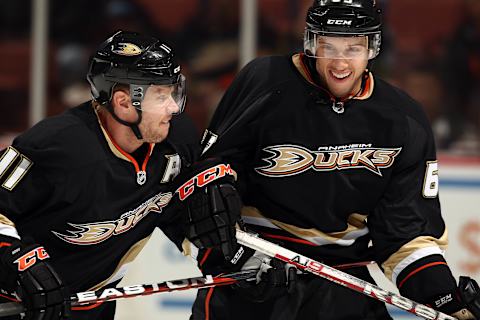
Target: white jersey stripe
(347,240)
(7,159)
(8,231)
(414,256)
(17,173)
(166,48)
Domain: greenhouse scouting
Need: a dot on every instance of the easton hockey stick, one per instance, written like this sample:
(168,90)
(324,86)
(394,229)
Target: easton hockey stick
(109,294)
(306,264)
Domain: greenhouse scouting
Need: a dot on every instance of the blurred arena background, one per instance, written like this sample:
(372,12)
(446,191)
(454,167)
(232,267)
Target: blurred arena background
(431,49)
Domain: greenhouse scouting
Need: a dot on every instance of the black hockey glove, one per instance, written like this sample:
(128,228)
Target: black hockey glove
(24,269)
(211,205)
(469,293)
(464,304)
(274,278)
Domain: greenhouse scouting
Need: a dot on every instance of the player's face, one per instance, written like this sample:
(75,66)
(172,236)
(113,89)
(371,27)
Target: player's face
(158,106)
(342,64)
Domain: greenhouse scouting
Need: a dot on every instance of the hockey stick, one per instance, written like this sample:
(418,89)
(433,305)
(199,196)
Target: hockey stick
(306,264)
(109,294)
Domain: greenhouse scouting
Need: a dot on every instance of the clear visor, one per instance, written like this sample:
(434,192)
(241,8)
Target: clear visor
(156,97)
(335,46)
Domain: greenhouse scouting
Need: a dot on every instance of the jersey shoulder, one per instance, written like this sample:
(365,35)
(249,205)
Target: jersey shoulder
(400,102)
(70,138)
(256,81)
(413,126)
(268,72)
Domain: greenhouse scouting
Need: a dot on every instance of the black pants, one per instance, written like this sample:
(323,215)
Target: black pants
(314,298)
(105,311)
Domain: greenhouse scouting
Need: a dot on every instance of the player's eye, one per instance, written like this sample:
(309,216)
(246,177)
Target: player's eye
(162,97)
(327,48)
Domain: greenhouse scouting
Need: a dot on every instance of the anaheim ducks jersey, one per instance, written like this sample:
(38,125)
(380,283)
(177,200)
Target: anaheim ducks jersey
(65,184)
(338,181)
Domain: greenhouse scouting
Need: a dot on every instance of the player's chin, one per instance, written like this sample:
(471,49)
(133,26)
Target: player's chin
(340,91)
(156,138)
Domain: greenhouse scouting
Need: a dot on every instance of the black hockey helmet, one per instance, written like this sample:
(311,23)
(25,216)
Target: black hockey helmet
(346,18)
(139,61)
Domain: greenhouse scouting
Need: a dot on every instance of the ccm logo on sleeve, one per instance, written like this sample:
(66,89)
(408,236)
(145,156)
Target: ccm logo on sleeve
(30,258)
(204,178)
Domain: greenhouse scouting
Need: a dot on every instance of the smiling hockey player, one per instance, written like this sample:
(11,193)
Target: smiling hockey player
(329,158)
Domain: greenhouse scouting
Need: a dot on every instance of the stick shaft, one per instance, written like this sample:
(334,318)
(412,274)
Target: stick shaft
(309,265)
(109,294)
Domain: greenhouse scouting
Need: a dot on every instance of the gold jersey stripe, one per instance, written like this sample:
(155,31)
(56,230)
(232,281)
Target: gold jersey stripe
(4,220)
(356,227)
(392,264)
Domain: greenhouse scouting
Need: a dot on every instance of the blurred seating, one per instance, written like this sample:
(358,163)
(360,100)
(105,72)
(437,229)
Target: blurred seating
(170,16)
(15,82)
(205,36)
(15,64)
(421,27)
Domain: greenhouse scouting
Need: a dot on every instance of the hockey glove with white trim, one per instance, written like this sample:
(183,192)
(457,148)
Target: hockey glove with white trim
(211,205)
(274,278)
(24,269)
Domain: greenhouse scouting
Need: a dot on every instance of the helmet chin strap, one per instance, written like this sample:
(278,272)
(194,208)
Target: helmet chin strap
(136,129)
(132,125)
(137,94)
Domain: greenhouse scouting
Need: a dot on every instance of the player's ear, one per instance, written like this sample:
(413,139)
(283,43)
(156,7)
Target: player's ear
(121,102)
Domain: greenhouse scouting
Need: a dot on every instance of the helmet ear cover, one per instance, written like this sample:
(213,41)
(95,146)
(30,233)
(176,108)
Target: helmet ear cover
(347,18)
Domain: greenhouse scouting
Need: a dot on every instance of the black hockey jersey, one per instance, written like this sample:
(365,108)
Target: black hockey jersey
(338,181)
(65,184)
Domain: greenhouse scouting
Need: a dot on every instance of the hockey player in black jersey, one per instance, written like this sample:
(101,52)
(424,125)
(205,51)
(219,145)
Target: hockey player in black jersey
(328,159)
(81,192)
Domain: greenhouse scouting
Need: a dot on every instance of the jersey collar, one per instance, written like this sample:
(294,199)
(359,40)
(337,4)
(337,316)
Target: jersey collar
(122,154)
